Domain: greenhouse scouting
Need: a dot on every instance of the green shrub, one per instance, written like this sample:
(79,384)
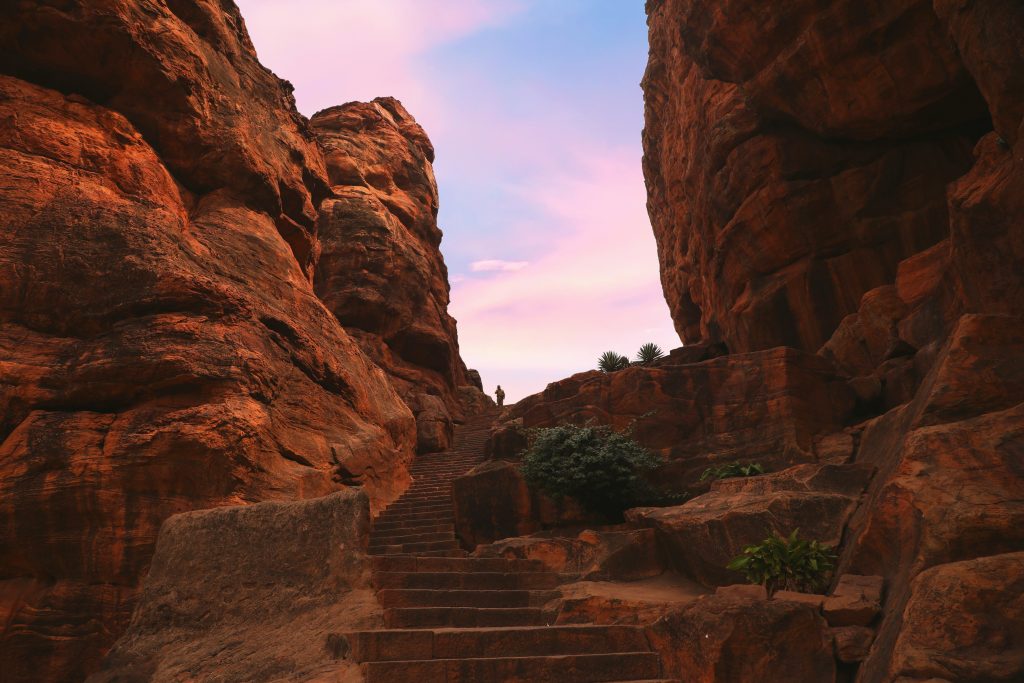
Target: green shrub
(786,563)
(649,353)
(611,361)
(601,469)
(733,469)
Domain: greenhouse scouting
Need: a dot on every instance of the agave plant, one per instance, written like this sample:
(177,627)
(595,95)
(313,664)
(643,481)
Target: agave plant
(649,353)
(611,361)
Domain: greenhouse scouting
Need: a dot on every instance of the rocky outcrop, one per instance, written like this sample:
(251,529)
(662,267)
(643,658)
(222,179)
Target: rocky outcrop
(704,534)
(746,640)
(163,348)
(766,407)
(380,270)
(850,183)
(795,154)
(290,579)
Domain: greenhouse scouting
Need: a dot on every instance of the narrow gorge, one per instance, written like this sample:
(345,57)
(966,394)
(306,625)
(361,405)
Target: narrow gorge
(240,442)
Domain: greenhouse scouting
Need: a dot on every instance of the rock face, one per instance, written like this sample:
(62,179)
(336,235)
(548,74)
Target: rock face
(380,270)
(766,407)
(726,638)
(850,183)
(704,534)
(290,579)
(794,154)
(162,347)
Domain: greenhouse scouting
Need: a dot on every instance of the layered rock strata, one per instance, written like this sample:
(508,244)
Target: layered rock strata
(380,270)
(163,347)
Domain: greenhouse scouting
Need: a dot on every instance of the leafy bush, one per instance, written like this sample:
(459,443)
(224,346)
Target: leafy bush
(786,563)
(601,469)
(611,361)
(733,469)
(649,353)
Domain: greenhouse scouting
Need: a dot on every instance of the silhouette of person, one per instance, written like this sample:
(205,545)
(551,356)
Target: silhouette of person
(500,395)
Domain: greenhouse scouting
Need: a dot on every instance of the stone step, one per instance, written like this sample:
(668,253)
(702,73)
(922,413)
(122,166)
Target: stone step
(584,668)
(412,548)
(424,526)
(522,641)
(412,563)
(467,580)
(414,516)
(427,597)
(463,617)
(402,536)
(439,506)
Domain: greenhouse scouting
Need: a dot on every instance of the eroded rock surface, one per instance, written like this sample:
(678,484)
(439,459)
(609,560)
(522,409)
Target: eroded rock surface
(380,269)
(255,592)
(794,154)
(162,346)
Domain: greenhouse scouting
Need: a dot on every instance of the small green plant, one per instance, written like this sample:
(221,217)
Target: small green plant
(733,469)
(611,361)
(649,353)
(786,563)
(598,467)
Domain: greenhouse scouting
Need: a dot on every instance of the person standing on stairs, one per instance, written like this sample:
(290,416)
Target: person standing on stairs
(500,395)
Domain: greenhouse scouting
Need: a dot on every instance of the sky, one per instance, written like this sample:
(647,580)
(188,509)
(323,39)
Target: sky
(535,111)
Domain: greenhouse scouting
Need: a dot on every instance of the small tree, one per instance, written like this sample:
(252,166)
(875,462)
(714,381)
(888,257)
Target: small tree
(786,563)
(601,469)
(611,361)
(649,353)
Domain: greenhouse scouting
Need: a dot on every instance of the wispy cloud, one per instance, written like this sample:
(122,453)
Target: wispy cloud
(534,111)
(491,265)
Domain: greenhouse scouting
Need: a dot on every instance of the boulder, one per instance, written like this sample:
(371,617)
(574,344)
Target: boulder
(703,535)
(963,622)
(852,643)
(592,555)
(253,592)
(744,640)
(855,601)
(492,502)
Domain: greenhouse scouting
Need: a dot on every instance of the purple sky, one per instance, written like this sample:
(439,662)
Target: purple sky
(535,111)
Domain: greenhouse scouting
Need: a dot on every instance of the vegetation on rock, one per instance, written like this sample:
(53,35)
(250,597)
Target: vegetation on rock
(786,563)
(732,469)
(610,361)
(649,353)
(603,470)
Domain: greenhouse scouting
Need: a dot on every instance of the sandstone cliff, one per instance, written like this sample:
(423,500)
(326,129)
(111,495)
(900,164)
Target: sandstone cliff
(162,346)
(844,179)
(380,270)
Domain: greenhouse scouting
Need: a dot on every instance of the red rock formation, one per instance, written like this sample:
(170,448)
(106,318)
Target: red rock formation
(162,345)
(380,269)
(810,184)
(288,579)
(795,153)
(765,407)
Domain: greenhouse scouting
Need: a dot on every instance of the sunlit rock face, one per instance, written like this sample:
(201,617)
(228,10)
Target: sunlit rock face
(380,270)
(795,153)
(849,182)
(163,348)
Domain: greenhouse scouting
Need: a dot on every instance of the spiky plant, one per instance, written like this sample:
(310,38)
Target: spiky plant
(649,353)
(611,361)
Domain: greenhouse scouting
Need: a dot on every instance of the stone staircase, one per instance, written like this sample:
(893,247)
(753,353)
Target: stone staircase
(451,617)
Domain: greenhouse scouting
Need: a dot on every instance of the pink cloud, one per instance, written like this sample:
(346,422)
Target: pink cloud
(337,51)
(595,288)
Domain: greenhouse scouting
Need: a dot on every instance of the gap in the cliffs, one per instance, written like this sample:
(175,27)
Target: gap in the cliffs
(535,112)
